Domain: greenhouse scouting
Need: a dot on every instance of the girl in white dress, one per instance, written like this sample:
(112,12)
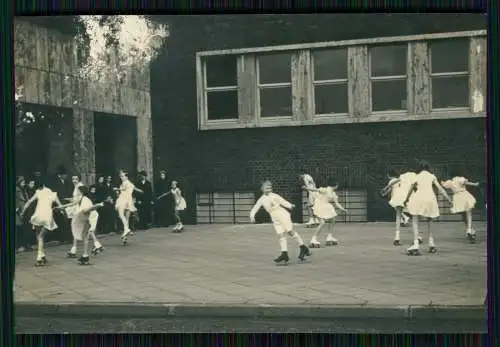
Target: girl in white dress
(324,210)
(397,189)
(278,209)
(463,202)
(125,202)
(42,219)
(81,223)
(308,183)
(422,202)
(70,210)
(179,204)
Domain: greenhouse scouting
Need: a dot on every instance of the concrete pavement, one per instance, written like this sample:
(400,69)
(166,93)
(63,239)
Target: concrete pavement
(226,270)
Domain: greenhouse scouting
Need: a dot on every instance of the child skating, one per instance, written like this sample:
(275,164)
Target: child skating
(422,202)
(125,203)
(310,186)
(81,223)
(42,219)
(398,189)
(277,207)
(463,202)
(324,210)
(179,205)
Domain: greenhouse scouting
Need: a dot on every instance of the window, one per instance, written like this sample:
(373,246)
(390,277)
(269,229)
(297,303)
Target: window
(388,69)
(275,85)
(330,81)
(449,73)
(221,87)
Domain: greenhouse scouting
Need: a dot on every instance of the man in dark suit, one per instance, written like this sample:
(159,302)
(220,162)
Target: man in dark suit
(144,201)
(107,214)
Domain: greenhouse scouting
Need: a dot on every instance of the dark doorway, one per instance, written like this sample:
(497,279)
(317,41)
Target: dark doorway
(115,143)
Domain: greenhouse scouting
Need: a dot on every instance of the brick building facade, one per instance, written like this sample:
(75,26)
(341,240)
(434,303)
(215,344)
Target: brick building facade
(357,154)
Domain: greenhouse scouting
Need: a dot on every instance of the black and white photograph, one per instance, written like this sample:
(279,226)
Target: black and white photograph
(251,173)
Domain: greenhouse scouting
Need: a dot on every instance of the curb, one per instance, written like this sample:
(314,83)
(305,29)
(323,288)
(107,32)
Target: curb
(170,310)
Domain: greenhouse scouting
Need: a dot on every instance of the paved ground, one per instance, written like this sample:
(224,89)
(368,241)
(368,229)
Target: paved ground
(228,271)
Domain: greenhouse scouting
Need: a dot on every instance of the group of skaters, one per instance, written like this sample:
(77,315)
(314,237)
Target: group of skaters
(69,206)
(411,194)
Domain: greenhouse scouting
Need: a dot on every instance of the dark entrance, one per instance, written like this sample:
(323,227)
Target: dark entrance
(115,143)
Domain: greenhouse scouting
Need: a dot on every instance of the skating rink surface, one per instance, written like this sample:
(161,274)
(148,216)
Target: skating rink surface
(233,264)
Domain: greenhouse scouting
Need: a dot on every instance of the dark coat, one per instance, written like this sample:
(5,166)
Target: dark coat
(63,189)
(21,199)
(147,195)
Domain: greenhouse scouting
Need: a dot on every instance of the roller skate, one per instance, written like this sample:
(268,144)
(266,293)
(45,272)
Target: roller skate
(71,254)
(471,236)
(97,250)
(405,219)
(331,241)
(84,260)
(314,243)
(282,259)
(41,262)
(178,228)
(432,246)
(311,223)
(413,250)
(124,237)
(304,251)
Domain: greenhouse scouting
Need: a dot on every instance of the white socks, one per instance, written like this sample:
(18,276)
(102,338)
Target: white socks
(283,243)
(296,237)
(330,237)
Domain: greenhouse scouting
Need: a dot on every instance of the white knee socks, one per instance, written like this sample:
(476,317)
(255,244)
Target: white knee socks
(283,243)
(296,237)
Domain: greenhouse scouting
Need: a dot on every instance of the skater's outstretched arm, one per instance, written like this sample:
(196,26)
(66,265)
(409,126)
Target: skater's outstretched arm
(447,184)
(163,195)
(412,189)
(471,184)
(441,190)
(389,185)
(284,203)
(255,209)
(28,204)
(337,203)
(93,207)
(71,204)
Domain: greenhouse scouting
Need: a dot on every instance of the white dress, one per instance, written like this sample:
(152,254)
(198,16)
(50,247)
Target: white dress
(180,202)
(276,206)
(423,202)
(43,216)
(70,211)
(125,199)
(80,222)
(462,199)
(309,184)
(400,190)
(323,207)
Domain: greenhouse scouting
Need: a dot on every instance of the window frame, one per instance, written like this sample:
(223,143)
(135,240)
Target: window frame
(405,78)
(433,75)
(329,82)
(303,83)
(277,85)
(207,89)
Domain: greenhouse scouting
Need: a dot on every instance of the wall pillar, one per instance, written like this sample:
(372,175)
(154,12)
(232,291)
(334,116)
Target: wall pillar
(84,144)
(145,145)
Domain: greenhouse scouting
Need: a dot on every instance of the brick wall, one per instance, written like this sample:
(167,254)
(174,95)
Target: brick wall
(240,159)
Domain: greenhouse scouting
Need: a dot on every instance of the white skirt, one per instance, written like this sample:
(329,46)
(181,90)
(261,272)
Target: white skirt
(423,204)
(43,221)
(180,205)
(398,197)
(125,204)
(93,218)
(312,198)
(79,226)
(324,210)
(463,201)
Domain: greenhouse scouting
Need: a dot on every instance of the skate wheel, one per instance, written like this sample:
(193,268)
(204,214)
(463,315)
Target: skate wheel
(397,243)
(432,249)
(413,253)
(71,256)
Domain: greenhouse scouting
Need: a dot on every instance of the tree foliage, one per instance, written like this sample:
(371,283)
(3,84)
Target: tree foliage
(108,46)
